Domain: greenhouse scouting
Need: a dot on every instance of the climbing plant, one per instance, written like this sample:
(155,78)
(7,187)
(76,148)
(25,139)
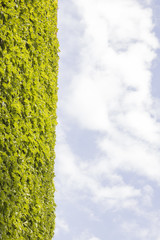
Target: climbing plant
(28,97)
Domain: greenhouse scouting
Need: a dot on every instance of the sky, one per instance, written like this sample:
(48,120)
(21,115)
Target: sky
(107,162)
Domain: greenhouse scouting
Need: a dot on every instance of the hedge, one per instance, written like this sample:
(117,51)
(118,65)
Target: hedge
(28,99)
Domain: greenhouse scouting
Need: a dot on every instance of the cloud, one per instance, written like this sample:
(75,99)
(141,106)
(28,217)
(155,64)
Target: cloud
(149,230)
(98,182)
(86,235)
(94,238)
(61,225)
(109,93)
(112,91)
(141,233)
(113,64)
(112,94)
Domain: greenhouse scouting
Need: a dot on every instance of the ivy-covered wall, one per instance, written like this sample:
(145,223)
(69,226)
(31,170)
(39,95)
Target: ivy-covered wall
(28,98)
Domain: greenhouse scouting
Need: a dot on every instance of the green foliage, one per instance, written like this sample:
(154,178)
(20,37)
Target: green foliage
(28,98)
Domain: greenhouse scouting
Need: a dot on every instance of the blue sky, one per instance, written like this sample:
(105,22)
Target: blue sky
(107,152)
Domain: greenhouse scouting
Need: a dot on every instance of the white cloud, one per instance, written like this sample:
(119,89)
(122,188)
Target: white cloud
(61,225)
(148,230)
(111,94)
(135,229)
(149,1)
(94,238)
(148,193)
(128,154)
(78,176)
(86,235)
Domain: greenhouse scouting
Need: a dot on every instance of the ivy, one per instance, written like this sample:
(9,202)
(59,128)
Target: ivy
(28,98)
